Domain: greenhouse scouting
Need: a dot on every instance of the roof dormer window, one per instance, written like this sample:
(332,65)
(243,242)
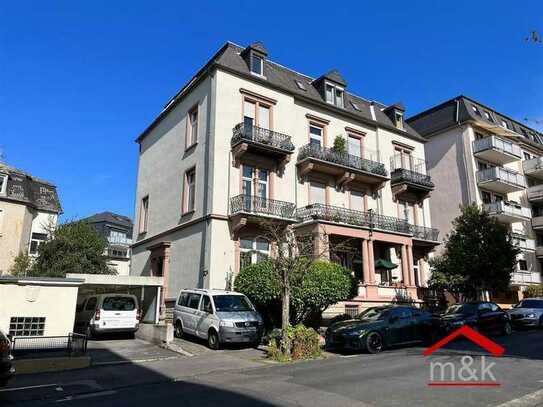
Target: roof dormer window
(505,125)
(489,116)
(334,95)
(257,65)
(398,116)
(476,110)
(3,184)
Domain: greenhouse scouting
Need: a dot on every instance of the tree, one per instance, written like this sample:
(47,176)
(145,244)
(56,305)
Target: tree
(74,247)
(21,265)
(479,256)
(340,145)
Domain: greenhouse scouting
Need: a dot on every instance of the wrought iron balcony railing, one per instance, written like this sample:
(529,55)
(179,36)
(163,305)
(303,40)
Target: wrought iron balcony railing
(262,206)
(425,233)
(262,136)
(405,168)
(352,217)
(345,159)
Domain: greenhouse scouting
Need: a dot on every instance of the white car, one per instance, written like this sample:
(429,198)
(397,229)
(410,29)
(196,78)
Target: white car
(103,313)
(218,316)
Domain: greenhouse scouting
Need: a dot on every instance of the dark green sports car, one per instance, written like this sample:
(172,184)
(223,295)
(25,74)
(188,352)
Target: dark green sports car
(378,328)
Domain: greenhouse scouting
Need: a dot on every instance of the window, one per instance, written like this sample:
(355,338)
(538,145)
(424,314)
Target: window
(527,156)
(476,110)
(479,136)
(333,94)
(144,214)
(254,182)
(406,211)
(257,65)
(523,265)
(194,301)
(119,304)
(398,116)
(91,304)
(489,116)
(3,184)
(190,187)
(232,303)
(206,305)
(357,200)
(257,114)
(486,197)
(253,250)
(26,326)
(1,221)
(315,135)
(36,240)
(183,299)
(504,124)
(192,129)
(355,106)
(300,85)
(354,145)
(317,193)
(403,158)
(119,253)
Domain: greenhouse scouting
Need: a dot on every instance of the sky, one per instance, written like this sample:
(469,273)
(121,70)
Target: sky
(79,81)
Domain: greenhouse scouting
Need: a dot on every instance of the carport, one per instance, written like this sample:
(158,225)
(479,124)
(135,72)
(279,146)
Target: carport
(146,288)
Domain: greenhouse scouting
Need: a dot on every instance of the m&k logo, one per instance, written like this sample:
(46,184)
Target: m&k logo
(471,371)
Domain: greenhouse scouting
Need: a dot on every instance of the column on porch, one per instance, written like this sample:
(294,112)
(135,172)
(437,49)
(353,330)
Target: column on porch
(410,266)
(368,263)
(405,266)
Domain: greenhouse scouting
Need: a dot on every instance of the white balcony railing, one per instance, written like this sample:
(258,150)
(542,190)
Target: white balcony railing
(520,277)
(535,193)
(496,143)
(509,209)
(533,166)
(119,240)
(501,174)
(523,242)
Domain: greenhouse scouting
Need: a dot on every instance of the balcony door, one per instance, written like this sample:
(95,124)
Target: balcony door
(357,200)
(256,114)
(355,146)
(317,193)
(255,187)
(404,159)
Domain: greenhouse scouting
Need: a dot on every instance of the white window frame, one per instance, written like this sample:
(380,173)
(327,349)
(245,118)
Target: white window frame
(398,117)
(335,100)
(144,214)
(314,136)
(261,61)
(253,251)
(4,186)
(189,204)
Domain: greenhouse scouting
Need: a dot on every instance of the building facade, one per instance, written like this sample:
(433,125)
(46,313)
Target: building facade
(29,208)
(485,157)
(247,139)
(117,230)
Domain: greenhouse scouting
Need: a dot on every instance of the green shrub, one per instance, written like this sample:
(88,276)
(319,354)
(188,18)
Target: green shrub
(340,145)
(304,344)
(534,291)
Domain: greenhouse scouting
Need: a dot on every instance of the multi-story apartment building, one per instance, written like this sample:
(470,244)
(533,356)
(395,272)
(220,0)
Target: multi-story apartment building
(480,155)
(247,139)
(29,208)
(117,230)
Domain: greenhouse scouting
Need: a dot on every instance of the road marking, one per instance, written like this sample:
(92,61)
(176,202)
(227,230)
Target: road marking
(87,396)
(28,387)
(530,399)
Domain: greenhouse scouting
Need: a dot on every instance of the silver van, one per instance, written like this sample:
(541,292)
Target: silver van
(218,316)
(104,313)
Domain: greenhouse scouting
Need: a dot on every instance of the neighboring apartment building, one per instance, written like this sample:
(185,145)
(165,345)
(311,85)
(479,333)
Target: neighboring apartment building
(29,207)
(480,155)
(247,139)
(117,230)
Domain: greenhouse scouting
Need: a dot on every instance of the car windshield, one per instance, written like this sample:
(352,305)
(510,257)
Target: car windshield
(119,304)
(375,313)
(231,303)
(464,309)
(531,304)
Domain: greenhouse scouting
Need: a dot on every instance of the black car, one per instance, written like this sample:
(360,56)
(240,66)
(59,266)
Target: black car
(382,327)
(6,369)
(482,316)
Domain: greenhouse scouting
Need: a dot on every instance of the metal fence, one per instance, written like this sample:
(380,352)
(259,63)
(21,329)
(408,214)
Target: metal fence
(73,344)
(262,136)
(262,206)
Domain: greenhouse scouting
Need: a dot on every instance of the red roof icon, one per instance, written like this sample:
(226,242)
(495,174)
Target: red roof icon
(474,336)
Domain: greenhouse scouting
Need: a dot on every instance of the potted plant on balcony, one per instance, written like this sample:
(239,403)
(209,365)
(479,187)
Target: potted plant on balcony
(340,145)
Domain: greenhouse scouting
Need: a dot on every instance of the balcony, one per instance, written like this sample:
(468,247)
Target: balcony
(248,139)
(496,150)
(533,167)
(537,223)
(535,194)
(409,178)
(248,208)
(525,277)
(539,252)
(507,212)
(343,166)
(500,180)
(522,242)
(425,234)
(119,241)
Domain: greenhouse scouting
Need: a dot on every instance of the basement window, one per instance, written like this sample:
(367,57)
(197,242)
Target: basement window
(26,326)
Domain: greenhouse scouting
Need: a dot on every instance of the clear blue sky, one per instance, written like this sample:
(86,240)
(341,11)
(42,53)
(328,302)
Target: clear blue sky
(80,80)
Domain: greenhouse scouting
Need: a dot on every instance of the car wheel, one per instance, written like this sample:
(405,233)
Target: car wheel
(213,340)
(374,342)
(507,328)
(178,329)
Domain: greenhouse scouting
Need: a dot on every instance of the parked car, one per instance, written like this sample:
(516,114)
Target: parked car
(6,368)
(217,316)
(104,313)
(527,313)
(482,316)
(383,327)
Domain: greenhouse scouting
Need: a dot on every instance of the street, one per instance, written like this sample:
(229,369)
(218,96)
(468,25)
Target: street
(240,377)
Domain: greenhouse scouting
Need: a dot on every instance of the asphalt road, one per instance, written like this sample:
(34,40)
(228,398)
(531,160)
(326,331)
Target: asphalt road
(393,378)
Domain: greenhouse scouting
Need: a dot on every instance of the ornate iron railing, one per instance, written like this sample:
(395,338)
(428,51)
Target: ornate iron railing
(425,233)
(262,136)
(403,175)
(262,206)
(345,159)
(352,217)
